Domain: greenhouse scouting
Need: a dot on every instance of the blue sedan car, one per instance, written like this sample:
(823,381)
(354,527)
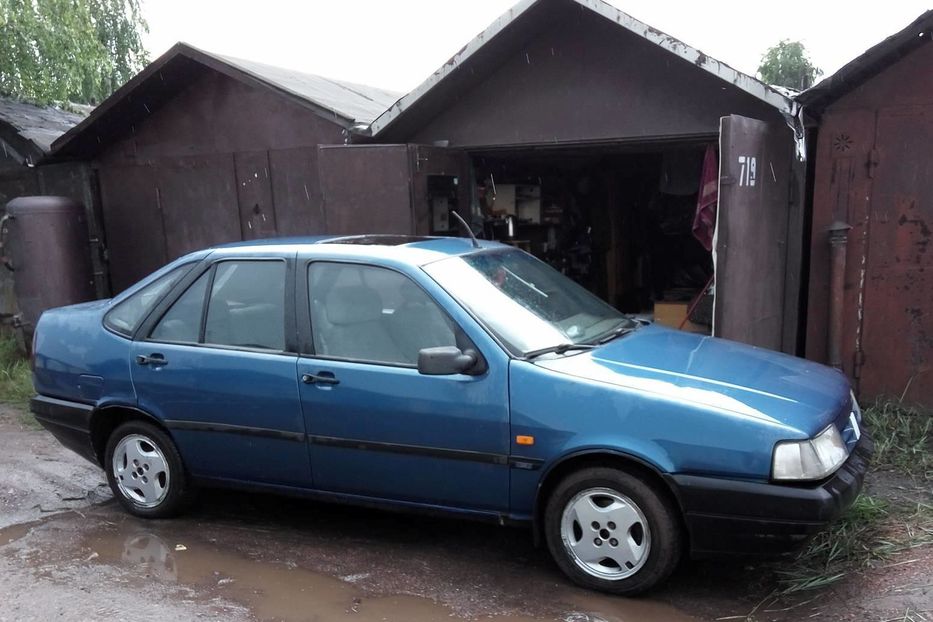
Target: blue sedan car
(446,375)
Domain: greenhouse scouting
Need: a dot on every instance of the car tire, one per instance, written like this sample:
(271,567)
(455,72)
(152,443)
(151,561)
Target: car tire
(145,471)
(611,531)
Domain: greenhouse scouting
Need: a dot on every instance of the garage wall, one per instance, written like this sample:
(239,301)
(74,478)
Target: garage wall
(584,79)
(220,162)
(874,165)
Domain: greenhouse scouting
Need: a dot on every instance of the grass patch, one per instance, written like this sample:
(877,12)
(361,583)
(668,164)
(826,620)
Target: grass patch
(15,377)
(907,530)
(852,542)
(868,535)
(903,438)
(874,529)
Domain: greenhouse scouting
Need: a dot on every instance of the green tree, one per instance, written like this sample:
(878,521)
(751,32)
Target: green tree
(788,64)
(69,50)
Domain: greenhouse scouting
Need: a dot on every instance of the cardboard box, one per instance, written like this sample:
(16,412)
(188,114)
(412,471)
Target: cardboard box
(673,313)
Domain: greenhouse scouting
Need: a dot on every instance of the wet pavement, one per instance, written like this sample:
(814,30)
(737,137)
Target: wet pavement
(248,557)
(68,552)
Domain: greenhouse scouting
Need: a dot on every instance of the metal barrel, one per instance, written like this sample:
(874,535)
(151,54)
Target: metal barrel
(44,242)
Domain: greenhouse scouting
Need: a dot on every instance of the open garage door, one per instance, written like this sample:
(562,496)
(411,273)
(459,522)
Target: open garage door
(757,278)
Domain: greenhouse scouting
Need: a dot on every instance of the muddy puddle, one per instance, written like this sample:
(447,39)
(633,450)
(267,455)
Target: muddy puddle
(271,570)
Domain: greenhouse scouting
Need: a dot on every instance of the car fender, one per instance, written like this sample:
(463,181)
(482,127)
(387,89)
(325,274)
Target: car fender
(101,425)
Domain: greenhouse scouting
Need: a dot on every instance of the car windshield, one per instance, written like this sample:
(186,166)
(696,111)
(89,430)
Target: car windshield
(527,304)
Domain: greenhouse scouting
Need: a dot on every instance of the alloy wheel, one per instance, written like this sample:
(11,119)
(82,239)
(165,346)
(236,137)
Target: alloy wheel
(605,533)
(141,470)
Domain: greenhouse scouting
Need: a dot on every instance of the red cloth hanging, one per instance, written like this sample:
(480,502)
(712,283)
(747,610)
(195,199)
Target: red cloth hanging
(704,221)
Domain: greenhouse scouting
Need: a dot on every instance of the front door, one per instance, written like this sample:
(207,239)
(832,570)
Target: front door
(216,368)
(376,426)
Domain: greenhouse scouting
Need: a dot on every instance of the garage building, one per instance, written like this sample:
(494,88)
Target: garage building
(199,149)
(566,128)
(873,216)
(583,133)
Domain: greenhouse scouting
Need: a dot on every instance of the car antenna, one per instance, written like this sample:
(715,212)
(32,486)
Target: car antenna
(466,226)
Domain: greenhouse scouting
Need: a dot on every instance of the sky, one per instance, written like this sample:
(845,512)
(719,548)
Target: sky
(396,44)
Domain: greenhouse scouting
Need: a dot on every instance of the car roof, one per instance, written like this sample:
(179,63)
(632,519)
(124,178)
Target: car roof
(417,250)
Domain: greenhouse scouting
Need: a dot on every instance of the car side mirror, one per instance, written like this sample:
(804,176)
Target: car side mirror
(446,360)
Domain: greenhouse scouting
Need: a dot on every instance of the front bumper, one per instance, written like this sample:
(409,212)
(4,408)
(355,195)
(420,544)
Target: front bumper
(69,422)
(739,517)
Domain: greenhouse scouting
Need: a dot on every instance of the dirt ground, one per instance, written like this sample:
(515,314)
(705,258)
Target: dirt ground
(67,552)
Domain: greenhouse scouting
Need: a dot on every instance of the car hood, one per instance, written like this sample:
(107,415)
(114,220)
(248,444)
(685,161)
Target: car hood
(717,374)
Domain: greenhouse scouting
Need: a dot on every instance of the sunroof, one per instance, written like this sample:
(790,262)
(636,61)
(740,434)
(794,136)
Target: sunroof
(379,240)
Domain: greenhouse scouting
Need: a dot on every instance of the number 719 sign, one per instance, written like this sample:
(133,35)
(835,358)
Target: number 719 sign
(748,170)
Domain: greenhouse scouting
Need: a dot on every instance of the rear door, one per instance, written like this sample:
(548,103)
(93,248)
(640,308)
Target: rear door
(753,303)
(216,365)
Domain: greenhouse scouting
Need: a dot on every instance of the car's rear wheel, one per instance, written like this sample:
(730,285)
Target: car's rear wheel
(611,531)
(145,471)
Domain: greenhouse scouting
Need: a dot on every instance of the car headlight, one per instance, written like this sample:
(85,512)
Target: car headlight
(811,459)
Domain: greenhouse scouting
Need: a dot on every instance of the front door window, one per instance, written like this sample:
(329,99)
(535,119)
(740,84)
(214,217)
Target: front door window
(365,313)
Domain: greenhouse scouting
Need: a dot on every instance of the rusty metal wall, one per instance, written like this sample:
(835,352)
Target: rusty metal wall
(366,188)
(254,194)
(296,191)
(132,221)
(197,198)
(77,181)
(874,163)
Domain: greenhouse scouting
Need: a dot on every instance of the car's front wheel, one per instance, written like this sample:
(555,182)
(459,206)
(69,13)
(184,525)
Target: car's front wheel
(145,471)
(611,531)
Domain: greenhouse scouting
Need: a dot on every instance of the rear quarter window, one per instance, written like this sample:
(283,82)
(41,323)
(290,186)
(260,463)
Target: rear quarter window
(126,316)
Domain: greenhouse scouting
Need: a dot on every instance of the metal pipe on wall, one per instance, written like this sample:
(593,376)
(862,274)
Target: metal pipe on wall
(838,236)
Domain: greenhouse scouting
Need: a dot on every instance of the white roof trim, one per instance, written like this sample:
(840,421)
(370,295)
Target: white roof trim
(742,81)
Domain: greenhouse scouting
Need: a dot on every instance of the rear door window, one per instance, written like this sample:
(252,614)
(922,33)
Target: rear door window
(245,308)
(247,305)
(182,322)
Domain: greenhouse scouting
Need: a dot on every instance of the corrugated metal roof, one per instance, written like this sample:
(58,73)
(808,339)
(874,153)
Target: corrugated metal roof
(501,26)
(340,102)
(868,64)
(37,126)
(356,102)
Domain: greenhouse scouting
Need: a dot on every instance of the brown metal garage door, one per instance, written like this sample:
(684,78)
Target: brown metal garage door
(897,317)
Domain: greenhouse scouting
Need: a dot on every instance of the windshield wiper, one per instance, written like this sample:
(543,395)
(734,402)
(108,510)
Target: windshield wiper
(559,349)
(617,332)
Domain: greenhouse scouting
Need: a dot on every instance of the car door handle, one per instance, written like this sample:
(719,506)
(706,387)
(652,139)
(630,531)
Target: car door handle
(153,359)
(324,378)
